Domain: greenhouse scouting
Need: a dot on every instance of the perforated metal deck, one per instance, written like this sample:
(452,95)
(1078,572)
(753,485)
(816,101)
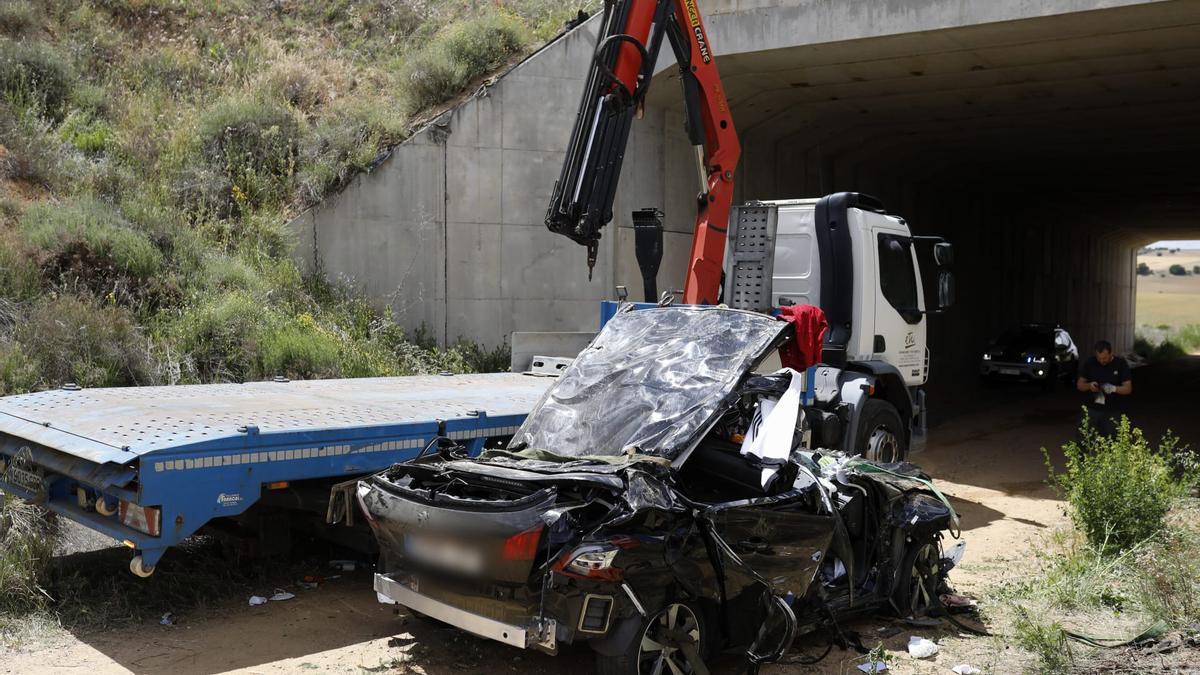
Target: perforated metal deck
(107,425)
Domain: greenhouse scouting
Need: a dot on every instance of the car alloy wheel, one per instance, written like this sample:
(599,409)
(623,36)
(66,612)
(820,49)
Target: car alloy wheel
(671,643)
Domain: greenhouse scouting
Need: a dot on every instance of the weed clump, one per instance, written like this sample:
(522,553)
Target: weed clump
(87,244)
(34,75)
(74,339)
(458,55)
(26,550)
(17,17)
(254,143)
(1119,488)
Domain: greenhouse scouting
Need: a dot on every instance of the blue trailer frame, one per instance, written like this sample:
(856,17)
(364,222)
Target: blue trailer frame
(209,451)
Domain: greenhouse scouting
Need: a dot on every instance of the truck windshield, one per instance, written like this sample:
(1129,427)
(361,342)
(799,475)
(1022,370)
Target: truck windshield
(651,383)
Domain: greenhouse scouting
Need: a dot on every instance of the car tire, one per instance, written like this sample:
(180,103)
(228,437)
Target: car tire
(918,579)
(881,436)
(644,652)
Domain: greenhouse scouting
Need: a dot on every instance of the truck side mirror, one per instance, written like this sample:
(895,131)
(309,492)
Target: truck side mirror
(943,254)
(945,290)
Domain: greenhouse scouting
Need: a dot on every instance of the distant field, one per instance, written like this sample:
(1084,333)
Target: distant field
(1169,300)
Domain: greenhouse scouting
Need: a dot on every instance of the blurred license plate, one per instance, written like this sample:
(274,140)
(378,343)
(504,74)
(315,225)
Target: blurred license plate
(447,554)
(1009,371)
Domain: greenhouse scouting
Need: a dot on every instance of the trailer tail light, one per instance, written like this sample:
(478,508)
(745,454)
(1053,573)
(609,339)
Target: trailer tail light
(523,545)
(145,519)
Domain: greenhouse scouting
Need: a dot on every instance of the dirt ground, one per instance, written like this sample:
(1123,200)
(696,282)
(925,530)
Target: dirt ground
(987,458)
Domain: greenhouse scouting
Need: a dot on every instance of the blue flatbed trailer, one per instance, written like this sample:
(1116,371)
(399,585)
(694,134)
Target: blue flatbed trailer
(150,466)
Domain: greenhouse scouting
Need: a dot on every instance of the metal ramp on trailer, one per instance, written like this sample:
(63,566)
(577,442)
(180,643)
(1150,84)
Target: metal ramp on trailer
(150,465)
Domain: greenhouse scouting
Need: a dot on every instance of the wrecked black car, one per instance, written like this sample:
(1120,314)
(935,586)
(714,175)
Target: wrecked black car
(662,504)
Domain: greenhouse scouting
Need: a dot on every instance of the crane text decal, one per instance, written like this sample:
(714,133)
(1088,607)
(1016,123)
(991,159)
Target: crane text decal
(694,20)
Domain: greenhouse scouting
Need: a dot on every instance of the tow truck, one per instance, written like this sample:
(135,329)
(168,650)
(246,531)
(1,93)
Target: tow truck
(150,466)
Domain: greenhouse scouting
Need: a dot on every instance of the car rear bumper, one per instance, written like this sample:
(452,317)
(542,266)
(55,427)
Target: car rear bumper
(1024,371)
(539,634)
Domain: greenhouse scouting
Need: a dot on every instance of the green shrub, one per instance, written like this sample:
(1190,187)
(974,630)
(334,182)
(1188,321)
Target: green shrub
(480,359)
(457,55)
(32,154)
(19,373)
(78,340)
(254,143)
(484,43)
(1143,269)
(89,240)
(1118,488)
(342,144)
(1168,574)
(172,69)
(17,17)
(27,538)
(1046,640)
(1167,350)
(300,348)
(1177,270)
(34,75)
(19,276)
(85,133)
(221,337)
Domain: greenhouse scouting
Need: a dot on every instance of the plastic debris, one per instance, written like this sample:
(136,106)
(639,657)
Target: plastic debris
(921,648)
(965,669)
(256,600)
(343,565)
(308,585)
(281,595)
(167,619)
(956,552)
(873,667)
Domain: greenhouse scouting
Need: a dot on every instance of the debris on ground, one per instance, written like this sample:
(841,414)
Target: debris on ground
(343,565)
(921,648)
(281,595)
(873,667)
(966,669)
(256,600)
(167,619)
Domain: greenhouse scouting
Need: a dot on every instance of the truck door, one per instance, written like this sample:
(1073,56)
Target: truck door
(899,317)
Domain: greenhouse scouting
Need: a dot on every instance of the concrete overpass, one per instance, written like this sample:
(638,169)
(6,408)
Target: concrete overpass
(1047,139)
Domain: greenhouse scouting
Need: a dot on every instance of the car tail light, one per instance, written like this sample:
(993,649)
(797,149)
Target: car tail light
(523,545)
(593,562)
(145,519)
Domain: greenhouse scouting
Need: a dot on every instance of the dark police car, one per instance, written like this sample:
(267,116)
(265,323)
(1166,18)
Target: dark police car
(1031,352)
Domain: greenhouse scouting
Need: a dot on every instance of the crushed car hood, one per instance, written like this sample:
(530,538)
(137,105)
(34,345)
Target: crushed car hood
(649,386)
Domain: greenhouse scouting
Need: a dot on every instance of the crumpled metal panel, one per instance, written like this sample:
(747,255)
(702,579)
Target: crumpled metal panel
(651,382)
(120,424)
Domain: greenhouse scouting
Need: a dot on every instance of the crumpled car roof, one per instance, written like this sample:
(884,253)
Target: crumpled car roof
(651,384)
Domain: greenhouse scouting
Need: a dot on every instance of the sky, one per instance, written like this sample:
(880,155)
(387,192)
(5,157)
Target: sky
(1177,243)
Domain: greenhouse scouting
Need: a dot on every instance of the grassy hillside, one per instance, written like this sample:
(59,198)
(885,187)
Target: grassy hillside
(153,150)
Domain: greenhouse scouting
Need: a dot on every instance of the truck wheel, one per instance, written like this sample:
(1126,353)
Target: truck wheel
(881,435)
(669,642)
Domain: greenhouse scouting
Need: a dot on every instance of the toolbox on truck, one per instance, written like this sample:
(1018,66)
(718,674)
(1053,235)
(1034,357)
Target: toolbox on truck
(150,466)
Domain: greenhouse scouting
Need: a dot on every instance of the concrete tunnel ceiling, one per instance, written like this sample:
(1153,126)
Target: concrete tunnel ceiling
(1045,148)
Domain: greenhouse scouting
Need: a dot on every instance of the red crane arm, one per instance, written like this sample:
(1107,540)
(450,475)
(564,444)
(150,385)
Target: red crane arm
(720,157)
(631,33)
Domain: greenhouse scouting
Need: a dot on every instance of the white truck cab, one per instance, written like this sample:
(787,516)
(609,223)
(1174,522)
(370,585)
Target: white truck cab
(845,254)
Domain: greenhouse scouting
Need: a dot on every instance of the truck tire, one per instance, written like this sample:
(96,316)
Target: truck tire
(881,435)
(646,655)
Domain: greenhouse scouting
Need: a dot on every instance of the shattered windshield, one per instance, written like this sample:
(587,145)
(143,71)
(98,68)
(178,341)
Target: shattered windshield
(650,383)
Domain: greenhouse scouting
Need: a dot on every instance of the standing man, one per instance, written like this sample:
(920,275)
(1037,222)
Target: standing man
(1105,379)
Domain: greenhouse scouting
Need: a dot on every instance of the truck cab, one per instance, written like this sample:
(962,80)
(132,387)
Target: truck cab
(845,254)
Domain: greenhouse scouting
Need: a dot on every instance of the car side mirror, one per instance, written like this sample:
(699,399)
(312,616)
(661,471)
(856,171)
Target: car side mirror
(945,290)
(943,254)
(776,633)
